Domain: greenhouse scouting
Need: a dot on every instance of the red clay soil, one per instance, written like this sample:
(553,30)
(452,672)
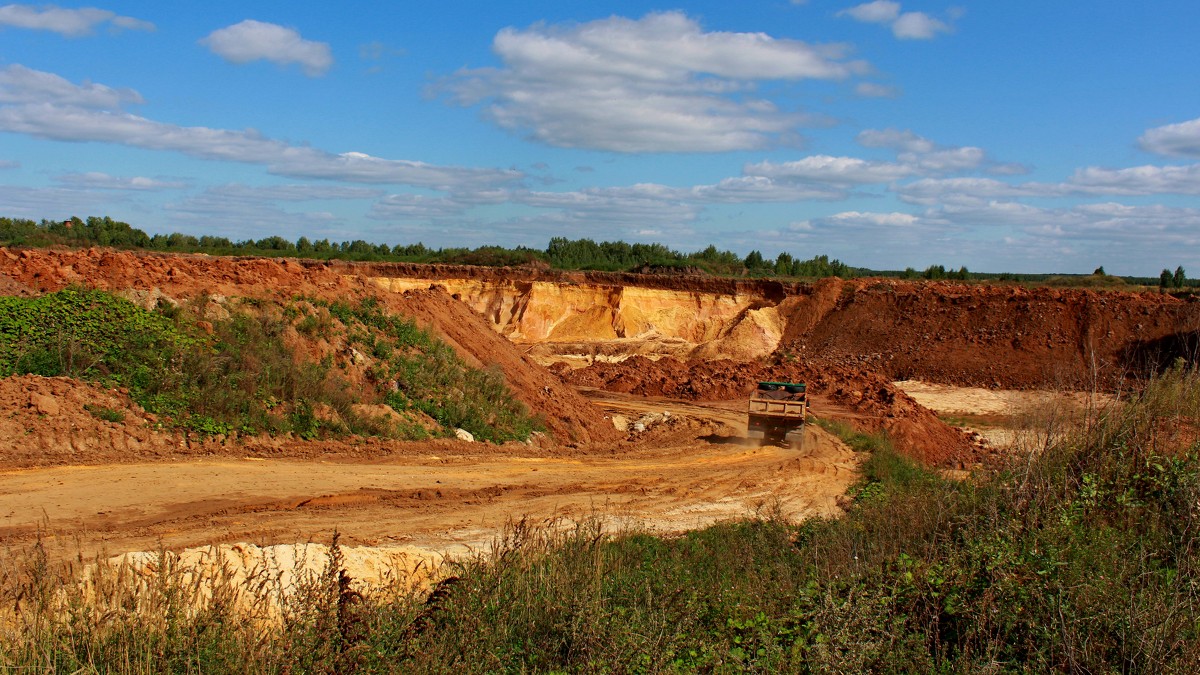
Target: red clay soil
(867,400)
(45,421)
(11,287)
(988,336)
(567,415)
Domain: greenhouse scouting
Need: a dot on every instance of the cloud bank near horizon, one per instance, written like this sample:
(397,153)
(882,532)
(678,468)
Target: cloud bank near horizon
(577,98)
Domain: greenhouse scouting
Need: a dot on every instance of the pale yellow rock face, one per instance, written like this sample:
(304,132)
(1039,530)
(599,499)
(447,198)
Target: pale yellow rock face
(696,317)
(686,323)
(755,336)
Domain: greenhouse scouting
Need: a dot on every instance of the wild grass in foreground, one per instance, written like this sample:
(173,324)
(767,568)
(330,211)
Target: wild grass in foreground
(1079,558)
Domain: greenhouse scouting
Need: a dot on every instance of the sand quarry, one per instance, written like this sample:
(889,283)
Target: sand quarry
(641,380)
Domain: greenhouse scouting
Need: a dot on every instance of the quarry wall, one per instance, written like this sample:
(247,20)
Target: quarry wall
(969,334)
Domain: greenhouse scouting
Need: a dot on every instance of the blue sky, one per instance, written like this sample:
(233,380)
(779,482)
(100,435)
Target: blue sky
(1015,136)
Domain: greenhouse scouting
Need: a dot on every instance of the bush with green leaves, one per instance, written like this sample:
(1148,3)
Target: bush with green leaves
(91,335)
(235,379)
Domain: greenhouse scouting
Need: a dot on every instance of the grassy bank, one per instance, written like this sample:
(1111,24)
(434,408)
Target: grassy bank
(221,366)
(1082,558)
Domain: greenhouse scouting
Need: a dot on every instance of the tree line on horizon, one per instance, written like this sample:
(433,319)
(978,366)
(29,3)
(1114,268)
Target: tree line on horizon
(560,253)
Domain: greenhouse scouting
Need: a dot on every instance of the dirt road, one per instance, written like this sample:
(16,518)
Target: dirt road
(685,473)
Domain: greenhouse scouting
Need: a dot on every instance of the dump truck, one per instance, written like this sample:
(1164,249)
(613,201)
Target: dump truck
(777,411)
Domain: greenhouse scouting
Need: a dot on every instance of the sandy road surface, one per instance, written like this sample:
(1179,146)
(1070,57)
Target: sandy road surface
(676,478)
(1001,403)
(1008,419)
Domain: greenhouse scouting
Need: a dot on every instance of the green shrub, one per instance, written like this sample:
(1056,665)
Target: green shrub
(206,384)
(88,334)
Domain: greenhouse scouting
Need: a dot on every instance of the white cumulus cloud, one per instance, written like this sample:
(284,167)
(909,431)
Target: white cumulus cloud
(867,219)
(1182,139)
(1138,180)
(1087,181)
(925,156)
(879,11)
(918,26)
(253,40)
(895,139)
(416,207)
(904,25)
(876,90)
(640,203)
(291,193)
(67,22)
(19,84)
(931,191)
(761,190)
(827,169)
(945,160)
(656,84)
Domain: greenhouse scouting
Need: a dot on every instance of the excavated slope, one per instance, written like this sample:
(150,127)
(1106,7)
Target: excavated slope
(711,338)
(991,336)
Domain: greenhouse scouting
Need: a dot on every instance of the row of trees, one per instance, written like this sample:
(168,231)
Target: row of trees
(95,231)
(936,272)
(566,253)
(1167,280)
(560,253)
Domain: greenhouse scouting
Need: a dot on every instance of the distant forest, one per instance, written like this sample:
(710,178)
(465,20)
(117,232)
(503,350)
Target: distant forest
(561,253)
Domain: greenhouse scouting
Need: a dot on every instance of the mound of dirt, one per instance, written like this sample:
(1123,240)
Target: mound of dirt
(169,278)
(11,287)
(866,400)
